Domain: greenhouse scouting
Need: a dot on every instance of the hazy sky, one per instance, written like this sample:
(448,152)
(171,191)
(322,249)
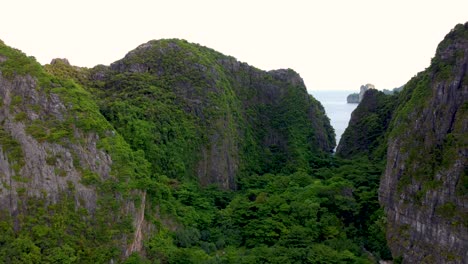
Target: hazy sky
(332,44)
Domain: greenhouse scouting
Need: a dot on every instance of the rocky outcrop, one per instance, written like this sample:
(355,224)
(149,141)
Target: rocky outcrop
(186,112)
(62,166)
(63,61)
(238,119)
(393,91)
(368,125)
(39,168)
(356,98)
(424,189)
(353,98)
(363,90)
(421,134)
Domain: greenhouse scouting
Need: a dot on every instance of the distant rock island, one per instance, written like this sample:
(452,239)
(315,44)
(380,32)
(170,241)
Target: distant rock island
(355,98)
(393,91)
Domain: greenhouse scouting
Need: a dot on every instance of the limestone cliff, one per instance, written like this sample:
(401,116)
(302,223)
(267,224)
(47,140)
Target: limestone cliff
(363,89)
(365,134)
(89,158)
(423,131)
(424,187)
(353,98)
(221,118)
(356,98)
(63,169)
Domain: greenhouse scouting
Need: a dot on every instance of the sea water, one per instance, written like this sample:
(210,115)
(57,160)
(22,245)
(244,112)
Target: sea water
(337,109)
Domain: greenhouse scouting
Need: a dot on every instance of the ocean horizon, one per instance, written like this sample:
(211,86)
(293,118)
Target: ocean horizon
(336,108)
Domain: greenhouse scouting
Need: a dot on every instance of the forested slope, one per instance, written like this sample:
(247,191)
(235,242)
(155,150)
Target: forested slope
(175,154)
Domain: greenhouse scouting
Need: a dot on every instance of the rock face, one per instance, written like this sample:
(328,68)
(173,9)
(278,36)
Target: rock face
(368,125)
(57,164)
(356,98)
(423,130)
(424,188)
(393,91)
(234,119)
(41,168)
(96,164)
(363,90)
(60,61)
(353,98)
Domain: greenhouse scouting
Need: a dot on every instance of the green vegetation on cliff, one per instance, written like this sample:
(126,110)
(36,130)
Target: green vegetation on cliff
(227,163)
(366,134)
(39,231)
(421,133)
(196,112)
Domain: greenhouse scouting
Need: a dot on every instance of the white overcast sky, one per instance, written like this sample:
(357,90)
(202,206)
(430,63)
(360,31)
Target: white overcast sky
(334,45)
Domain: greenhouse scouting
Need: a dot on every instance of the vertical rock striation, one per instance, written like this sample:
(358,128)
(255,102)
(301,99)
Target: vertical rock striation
(421,133)
(424,187)
(81,173)
(41,168)
(63,169)
(234,119)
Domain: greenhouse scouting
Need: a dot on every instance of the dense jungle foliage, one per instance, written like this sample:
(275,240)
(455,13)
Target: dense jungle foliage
(328,216)
(297,205)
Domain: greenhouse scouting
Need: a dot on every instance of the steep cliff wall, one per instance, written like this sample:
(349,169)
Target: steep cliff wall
(63,170)
(424,187)
(84,153)
(207,115)
(367,128)
(423,130)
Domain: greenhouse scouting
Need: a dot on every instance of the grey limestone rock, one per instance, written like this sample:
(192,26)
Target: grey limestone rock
(356,98)
(423,188)
(48,168)
(353,98)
